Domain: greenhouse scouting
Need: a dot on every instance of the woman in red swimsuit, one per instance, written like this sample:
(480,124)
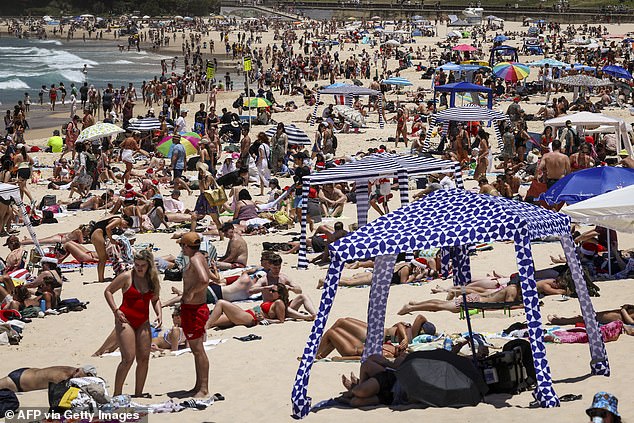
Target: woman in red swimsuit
(226,314)
(139,286)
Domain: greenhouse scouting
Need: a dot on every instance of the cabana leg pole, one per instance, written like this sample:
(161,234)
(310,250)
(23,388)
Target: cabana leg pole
(299,397)
(379,291)
(403,188)
(314,116)
(599,364)
(545,393)
(29,227)
(362,202)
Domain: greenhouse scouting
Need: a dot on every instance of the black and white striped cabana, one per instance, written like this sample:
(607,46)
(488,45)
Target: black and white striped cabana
(349,91)
(370,168)
(146,124)
(295,135)
(466,114)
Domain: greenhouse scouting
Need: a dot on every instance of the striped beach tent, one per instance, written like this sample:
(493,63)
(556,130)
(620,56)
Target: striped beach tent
(295,135)
(470,113)
(383,165)
(146,124)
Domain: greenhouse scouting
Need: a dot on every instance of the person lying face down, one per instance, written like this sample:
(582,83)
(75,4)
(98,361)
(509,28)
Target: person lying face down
(31,379)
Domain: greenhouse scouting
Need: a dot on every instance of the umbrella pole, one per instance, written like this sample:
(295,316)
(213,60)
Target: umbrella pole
(609,254)
(466,313)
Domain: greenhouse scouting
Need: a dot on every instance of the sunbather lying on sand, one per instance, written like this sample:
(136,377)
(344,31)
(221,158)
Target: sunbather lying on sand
(625,314)
(237,291)
(347,336)
(403,273)
(30,379)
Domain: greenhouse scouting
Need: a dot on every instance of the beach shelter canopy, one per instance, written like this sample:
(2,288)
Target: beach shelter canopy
(10,192)
(587,183)
(349,91)
(466,114)
(613,210)
(548,61)
(454,219)
(369,168)
(464,87)
(146,124)
(584,119)
(295,135)
(582,81)
(508,53)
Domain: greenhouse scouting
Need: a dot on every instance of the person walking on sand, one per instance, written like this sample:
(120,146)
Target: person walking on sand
(194,311)
(140,286)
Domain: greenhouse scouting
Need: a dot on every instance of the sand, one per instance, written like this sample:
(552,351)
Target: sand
(256,377)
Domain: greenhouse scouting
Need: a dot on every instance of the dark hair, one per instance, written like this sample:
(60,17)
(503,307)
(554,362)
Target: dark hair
(227,226)
(275,259)
(244,195)
(556,144)
(338,226)
(158,202)
(483,180)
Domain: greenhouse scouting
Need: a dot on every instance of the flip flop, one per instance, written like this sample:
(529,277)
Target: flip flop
(570,397)
(143,395)
(250,337)
(218,397)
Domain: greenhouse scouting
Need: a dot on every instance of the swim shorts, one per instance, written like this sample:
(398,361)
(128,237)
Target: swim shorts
(193,320)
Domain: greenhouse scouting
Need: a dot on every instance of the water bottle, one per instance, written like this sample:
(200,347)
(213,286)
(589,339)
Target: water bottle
(447,344)
(43,305)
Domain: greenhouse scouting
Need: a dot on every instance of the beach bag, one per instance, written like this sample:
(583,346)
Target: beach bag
(48,200)
(30,312)
(173,274)
(60,396)
(281,218)
(8,402)
(216,196)
(504,372)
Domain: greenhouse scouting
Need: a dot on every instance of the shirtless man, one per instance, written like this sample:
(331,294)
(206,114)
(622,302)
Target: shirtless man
(625,314)
(245,143)
(513,181)
(129,146)
(239,290)
(554,164)
(194,311)
(332,200)
(237,251)
(30,379)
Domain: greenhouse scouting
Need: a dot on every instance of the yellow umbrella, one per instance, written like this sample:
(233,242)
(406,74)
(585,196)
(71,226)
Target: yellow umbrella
(256,102)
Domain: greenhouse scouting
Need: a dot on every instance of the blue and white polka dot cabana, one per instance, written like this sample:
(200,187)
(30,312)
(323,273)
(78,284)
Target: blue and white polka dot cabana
(382,165)
(454,219)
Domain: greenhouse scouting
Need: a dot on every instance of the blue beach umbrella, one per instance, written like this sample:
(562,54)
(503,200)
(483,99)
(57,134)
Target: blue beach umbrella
(588,183)
(617,71)
(402,82)
(500,38)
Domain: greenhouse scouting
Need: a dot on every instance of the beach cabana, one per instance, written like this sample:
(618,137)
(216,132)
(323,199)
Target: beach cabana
(593,120)
(349,91)
(613,210)
(464,87)
(367,169)
(10,192)
(454,219)
(507,53)
(466,114)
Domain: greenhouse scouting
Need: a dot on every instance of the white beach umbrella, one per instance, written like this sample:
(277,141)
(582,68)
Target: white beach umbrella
(99,130)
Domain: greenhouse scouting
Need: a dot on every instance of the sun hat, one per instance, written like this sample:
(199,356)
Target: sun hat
(202,166)
(604,401)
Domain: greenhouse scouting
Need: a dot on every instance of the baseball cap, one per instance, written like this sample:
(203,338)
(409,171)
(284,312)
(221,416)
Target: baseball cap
(191,239)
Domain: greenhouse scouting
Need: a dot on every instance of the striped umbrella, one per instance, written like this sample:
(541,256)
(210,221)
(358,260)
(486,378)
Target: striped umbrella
(166,143)
(99,130)
(403,82)
(295,135)
(511,71)
(146,124)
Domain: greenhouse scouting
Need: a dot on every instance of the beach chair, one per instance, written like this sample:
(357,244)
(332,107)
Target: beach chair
(32,260)
(506,307)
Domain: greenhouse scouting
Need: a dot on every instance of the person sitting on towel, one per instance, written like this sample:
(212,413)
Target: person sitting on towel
(237,250)
(28,379)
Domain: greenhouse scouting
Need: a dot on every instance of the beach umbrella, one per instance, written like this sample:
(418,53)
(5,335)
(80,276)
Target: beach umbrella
(464,47)
(417,17)
(256,102)
(145,124)
(511,71)
(392,43)
(582,81)
(401,82)
(192,137)
(548,61)
(617,71)
(440,378)
(375,17)
(588,183)
(500,38)
(178,18)
(146,16)
(295,135)
(450,66)
(188,19)
(164,146)
(99,130)
(614,210)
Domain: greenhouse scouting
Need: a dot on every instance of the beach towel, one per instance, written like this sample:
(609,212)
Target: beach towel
(609,332)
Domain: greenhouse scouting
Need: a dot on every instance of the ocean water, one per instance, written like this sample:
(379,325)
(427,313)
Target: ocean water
(26,65)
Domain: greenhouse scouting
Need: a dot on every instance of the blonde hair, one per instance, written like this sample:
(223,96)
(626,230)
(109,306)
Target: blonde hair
(152,274)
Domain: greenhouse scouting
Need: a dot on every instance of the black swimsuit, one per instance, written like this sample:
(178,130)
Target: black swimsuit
(101,225)
(15,377)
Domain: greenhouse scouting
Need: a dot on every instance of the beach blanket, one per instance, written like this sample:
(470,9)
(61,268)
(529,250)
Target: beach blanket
(209,345)
(578,335)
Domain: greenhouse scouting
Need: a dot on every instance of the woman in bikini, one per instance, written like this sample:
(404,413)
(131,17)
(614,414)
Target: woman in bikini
(140,286)
(403,273)
(79,235)
(101,231)
(226,315)
(24,164)
(347,337)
